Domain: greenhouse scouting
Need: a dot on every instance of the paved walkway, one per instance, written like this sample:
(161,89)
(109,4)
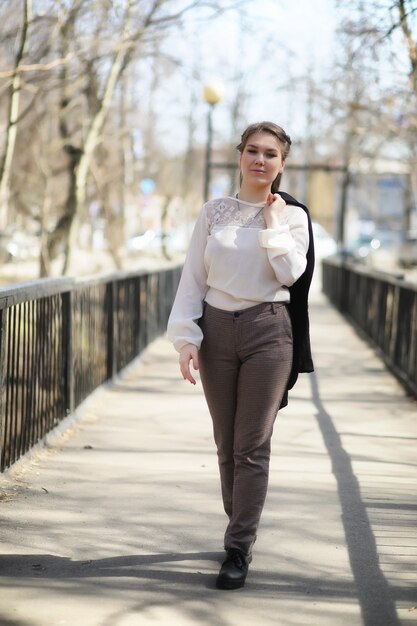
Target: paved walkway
(119,523)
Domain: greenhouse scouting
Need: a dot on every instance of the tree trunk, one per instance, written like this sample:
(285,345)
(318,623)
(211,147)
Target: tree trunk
(164,218)
(61,230)
(44,259)
(411,44)
(12,118)
(126,157)
(93,134)
(113,234)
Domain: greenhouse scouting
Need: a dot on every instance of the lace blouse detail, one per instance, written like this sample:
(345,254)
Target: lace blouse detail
(234,212)
(234,262)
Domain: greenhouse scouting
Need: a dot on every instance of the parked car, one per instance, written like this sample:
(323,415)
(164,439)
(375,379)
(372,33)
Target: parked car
(151,240)
(407,253)
(324,243)
(16,245)
(141,241)
(379,249)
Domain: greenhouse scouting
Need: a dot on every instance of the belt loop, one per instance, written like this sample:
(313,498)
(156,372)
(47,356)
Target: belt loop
(273,308)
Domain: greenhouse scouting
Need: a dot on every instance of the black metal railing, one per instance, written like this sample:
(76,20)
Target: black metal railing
(383,307)
(61,338)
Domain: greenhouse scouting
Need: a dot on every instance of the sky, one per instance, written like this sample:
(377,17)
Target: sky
(281,39)
(264,56)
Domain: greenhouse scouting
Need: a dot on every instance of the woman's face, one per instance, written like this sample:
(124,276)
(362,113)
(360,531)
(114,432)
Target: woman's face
(261,160)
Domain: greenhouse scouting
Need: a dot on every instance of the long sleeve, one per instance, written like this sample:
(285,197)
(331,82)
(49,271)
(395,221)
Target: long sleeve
(287,245)
(188,304)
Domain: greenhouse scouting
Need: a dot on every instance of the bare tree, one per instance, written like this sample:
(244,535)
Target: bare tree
(136,25)
(13,113)
(376,32)
(60,126)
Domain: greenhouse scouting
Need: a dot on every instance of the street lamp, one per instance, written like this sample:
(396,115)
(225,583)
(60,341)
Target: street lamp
(212,95)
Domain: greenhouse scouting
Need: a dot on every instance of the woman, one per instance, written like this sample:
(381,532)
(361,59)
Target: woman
(231,319)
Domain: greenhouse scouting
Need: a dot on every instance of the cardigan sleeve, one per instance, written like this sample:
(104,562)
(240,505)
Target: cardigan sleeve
(287,245)
(187,309)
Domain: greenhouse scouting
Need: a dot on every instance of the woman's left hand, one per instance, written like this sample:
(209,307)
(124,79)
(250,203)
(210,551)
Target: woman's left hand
(275,205)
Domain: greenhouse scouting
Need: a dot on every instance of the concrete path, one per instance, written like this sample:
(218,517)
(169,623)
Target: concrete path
(119,522)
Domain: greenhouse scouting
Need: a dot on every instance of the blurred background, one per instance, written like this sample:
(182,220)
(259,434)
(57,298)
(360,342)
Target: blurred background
(119,118)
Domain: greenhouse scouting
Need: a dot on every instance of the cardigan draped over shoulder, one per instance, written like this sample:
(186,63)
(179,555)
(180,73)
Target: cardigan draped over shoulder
(298,309)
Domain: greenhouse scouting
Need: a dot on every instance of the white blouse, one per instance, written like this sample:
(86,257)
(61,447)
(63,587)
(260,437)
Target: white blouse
(235,262)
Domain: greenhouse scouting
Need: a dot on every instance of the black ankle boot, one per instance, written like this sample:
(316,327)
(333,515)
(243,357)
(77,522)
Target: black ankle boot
(234,570)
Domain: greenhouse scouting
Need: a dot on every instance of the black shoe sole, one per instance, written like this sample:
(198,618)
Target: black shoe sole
(229,584)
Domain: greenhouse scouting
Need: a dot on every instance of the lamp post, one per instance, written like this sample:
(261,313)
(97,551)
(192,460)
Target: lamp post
(212,95)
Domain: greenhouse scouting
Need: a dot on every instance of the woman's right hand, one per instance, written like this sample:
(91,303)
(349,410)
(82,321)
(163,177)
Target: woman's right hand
(188,353)
(274,207)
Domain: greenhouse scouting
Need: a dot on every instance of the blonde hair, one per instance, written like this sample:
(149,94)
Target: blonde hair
(276,131)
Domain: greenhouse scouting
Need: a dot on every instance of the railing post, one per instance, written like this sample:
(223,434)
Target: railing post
(111,339)
(3,336)
(68,364)
(137,315)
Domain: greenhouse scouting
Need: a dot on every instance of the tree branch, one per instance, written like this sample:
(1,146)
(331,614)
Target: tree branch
(36,67)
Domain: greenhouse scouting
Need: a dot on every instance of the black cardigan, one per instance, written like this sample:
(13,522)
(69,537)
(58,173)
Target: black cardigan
(298,309)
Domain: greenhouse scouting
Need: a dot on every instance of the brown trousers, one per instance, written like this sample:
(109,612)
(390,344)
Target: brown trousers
(245,363)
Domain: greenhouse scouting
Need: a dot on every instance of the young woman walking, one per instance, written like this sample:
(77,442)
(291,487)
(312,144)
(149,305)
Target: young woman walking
(232,319)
